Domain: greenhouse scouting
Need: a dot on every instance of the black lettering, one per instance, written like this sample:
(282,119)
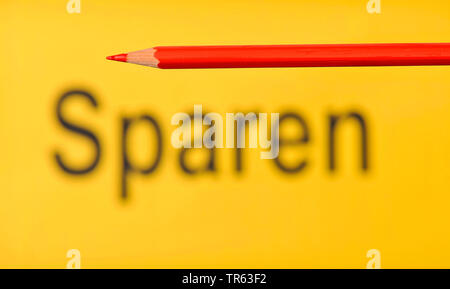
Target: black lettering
(127,167)
(238,130)
(333,121)
(303,138)
(90,166)
(209,166)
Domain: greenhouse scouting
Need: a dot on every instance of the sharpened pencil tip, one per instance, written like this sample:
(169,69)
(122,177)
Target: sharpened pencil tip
(119,57)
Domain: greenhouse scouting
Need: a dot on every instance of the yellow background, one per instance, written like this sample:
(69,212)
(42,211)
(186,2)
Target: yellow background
(261,218)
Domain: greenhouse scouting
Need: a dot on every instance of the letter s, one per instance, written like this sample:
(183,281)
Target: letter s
(78,130)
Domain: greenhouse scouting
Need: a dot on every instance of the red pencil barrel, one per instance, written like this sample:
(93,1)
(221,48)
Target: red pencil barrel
(328,55)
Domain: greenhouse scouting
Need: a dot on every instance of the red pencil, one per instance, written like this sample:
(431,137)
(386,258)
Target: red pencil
(320,55)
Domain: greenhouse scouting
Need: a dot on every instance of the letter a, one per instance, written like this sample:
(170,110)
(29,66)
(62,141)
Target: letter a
(375,261)
(374,6)
(73,6)
(75,262)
